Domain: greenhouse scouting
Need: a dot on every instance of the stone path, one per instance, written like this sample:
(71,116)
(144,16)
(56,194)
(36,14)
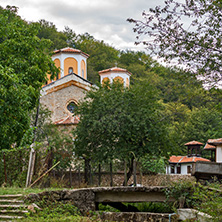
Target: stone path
(12,207)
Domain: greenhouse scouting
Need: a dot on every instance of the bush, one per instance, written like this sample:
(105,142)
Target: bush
(207,199)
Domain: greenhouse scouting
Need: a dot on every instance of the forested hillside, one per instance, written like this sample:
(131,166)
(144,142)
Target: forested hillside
(194,113)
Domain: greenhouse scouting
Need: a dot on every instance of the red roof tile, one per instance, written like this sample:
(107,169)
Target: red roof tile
(185,159)
(193,143)
(70,50)
(115,69)
(209,147)
(68,120)
(214,141)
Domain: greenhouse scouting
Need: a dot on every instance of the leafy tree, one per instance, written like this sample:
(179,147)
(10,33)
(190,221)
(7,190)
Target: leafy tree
(195,42)
(118,123)
(153,164)
(14,106)
(49,31)
(56,144)
(23,68)
(203,124)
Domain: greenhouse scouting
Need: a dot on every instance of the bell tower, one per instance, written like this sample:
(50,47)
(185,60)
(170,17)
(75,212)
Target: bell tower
(115,74)
(70,60)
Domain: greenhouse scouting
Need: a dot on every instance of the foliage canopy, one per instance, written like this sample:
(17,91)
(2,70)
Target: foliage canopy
(188,31)
(23,68)
(117,122)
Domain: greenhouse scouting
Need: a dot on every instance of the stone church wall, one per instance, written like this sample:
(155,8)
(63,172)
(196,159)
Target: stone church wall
(57,101)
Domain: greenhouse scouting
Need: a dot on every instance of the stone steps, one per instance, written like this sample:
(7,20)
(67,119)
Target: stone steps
(14,211)
(10,201)
(12,207)
(11,196)
(9,217)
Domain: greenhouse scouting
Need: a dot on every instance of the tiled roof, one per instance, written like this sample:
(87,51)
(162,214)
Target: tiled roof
(193,143)
(215,141)
(115,69)
(68,120)
(185,159)
(70,50)
(209,147)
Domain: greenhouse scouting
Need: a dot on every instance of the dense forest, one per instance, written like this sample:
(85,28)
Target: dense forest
(194,113)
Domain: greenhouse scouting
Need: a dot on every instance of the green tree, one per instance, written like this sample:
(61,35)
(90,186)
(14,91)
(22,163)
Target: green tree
(203,124)
(14,107)
(23,68)
(195,42)
(118,123)
(49,31)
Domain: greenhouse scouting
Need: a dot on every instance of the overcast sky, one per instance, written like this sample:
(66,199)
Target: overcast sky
(104,19)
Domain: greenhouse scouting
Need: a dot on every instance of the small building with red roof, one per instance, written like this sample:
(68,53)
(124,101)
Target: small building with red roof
(183,164)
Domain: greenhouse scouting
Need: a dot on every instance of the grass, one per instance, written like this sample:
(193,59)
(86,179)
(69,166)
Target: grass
(24,191)
(58,211)
(53,212)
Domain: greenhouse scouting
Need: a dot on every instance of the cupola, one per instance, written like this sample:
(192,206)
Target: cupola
(115,74)
(70,60)
(193,148)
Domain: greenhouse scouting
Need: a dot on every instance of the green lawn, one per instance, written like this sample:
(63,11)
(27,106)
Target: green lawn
(18,190)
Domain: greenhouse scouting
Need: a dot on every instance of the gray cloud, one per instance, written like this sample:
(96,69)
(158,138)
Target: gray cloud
(104,19)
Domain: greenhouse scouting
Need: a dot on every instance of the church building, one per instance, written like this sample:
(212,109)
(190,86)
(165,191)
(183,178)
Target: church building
(62,95)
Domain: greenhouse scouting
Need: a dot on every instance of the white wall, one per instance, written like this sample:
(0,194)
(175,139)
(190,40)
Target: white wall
(79,57)
(112,75)
(219,154)
(183,168)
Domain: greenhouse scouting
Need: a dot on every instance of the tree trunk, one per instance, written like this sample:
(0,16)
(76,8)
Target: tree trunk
(111,174)
(125,173)
(87,169)
(32,152)
(70,176)
(5,168)
(49,165)
(130,172)
(79,176)
(134,173)
(99,175)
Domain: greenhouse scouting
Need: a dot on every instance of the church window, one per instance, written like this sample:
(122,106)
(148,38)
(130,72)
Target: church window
(119,79)
(82,73)
(106,81)
(71,107)
(70,70)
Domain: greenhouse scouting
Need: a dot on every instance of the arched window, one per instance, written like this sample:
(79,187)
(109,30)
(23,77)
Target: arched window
(71,107)
(106,81)
(70,70)
(118,79)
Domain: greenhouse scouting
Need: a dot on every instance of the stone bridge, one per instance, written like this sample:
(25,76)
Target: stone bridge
(87,199)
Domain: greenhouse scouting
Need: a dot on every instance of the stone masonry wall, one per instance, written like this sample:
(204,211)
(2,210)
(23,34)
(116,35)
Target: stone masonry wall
(57,101)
